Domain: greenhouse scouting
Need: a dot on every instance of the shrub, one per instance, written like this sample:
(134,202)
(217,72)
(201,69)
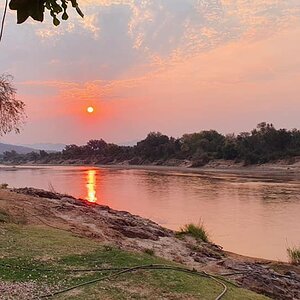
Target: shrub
(4,216)
(3,186)
(197,231)
(149,251)
(294,255)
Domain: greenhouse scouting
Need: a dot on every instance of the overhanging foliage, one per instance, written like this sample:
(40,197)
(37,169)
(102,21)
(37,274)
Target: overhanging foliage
(36,8)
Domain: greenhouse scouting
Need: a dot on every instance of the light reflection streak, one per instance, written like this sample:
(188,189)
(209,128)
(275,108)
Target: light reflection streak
(91,186)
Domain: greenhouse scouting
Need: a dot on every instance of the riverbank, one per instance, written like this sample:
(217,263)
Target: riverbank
(105,226)
(221,167)
(279,168)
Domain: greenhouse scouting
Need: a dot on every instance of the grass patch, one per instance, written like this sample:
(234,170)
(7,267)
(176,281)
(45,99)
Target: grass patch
(37,241)
(294,255)
(149,251)
(32,250)
(4,216)
(196,231)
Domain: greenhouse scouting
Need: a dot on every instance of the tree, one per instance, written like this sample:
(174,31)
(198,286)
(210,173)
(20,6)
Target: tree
(154,146)
(36,8)
(12,114)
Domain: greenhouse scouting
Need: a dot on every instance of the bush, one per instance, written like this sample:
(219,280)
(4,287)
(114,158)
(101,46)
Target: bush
(149,251)
(4,216)
(294,255)
(3,186)
(197,231)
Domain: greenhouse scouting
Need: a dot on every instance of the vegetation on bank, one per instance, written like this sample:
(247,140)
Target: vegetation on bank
(294,255)
(37,260)
(263,144)
(197,231)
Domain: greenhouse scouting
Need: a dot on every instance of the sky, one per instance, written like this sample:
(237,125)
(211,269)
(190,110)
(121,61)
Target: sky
(174,66)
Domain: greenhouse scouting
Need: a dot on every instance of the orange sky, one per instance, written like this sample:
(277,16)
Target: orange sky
(156,65)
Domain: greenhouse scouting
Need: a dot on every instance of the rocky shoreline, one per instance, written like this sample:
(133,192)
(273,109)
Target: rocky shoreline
(134,233)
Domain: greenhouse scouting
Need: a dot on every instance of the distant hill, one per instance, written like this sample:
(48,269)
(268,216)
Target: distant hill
(46,146)
(18,149)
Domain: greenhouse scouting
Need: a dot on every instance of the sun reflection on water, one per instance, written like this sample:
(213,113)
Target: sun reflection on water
(91,186)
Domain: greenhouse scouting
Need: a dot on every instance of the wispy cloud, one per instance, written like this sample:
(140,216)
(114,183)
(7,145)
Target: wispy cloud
(118,36)
(96,90)
(157,59)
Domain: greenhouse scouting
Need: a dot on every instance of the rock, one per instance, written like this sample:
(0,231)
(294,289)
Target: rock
(270,283)
(133,227)
(69,200)
(131,232)
(41,193)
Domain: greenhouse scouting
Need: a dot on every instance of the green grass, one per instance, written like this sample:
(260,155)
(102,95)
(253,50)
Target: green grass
(29,250)
(197,231)
(294,255)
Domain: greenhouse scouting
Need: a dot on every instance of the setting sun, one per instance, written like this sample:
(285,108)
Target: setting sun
(90,109)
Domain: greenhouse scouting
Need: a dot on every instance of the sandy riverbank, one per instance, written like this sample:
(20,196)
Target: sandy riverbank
(276,169)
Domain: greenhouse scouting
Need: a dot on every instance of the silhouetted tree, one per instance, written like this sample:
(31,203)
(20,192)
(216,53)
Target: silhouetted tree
(155,146)
(12,112)
(264,143)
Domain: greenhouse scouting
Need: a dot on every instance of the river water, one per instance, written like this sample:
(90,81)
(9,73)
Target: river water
(249,215)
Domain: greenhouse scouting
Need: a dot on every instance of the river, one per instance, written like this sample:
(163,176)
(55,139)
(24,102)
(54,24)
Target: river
(249,215)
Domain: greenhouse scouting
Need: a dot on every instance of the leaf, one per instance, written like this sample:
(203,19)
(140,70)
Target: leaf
(74,3)
(79,12)
(48,6)
(22,16)
(56,22)
(65,16)
(64,5)
(56,8)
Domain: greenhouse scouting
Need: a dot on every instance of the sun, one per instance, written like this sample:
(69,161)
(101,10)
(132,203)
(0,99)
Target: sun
(90,109)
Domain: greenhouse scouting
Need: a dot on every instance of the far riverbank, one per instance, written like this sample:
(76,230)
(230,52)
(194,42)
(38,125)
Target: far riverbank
(275,169)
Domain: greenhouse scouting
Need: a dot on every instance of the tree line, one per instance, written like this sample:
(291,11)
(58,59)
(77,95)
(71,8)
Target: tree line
(263,144)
